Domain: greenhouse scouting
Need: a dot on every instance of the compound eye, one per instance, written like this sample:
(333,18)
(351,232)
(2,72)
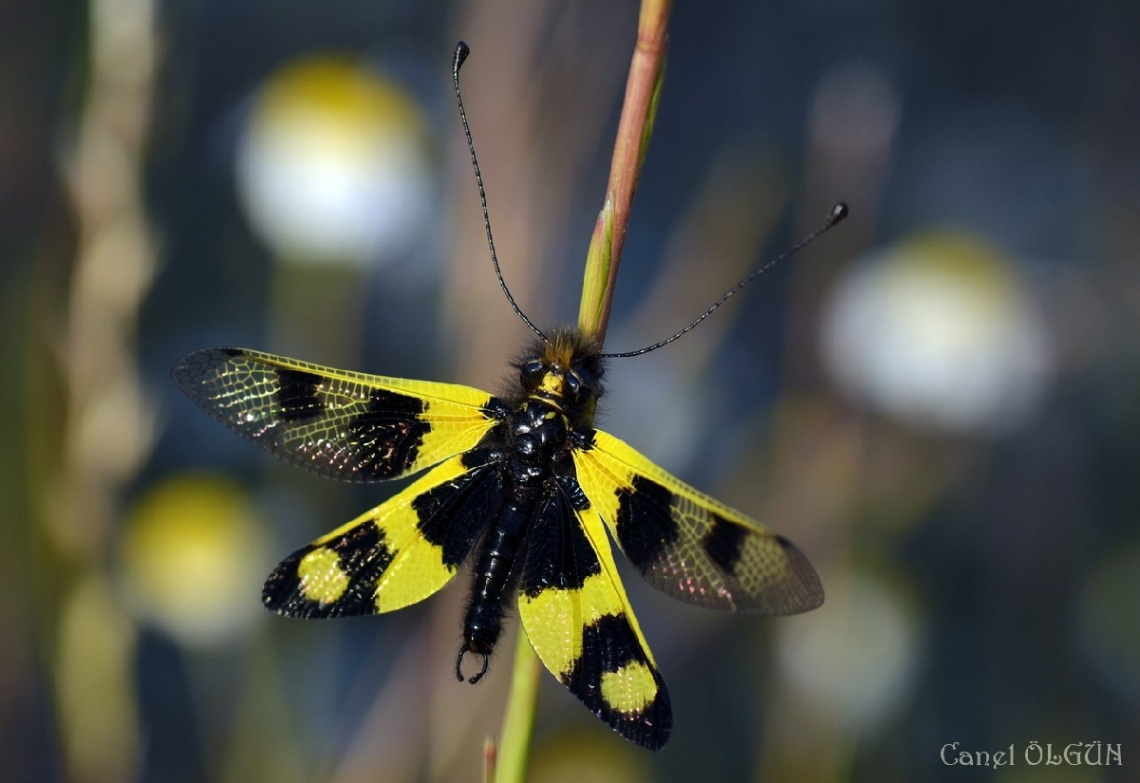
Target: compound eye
(573,384)
(533,370)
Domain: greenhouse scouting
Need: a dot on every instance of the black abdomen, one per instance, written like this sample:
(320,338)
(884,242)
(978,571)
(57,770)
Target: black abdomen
(495,577)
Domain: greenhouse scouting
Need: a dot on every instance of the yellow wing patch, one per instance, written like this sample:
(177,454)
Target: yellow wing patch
(395,555)
(631,688)
(321,578)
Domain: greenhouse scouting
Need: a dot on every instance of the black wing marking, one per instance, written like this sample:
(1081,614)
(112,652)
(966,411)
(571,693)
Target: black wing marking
(689,545)
(335,423)
(579,621)
(400,552)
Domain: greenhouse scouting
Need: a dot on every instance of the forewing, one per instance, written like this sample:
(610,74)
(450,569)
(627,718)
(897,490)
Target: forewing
(398,553)
(334,423)
(578,619)
(689,545)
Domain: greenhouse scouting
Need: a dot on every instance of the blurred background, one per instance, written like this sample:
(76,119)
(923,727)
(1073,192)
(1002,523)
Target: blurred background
(939,401)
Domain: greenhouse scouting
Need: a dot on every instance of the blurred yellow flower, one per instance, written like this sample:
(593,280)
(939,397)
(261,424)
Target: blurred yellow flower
(193,557)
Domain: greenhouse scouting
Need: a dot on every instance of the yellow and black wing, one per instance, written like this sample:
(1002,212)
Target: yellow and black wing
(688,544)
(334,423)
(398,553)
(576,615)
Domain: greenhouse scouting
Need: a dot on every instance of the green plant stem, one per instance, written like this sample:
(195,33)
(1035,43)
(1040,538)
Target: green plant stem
(518,720)
(643,88)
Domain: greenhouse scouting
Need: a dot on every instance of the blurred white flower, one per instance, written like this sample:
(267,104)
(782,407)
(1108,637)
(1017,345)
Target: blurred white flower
(854,660)
(332,165)
(939,331)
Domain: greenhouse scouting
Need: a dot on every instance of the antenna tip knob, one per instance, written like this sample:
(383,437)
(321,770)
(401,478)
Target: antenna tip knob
(461,52)
(838,212)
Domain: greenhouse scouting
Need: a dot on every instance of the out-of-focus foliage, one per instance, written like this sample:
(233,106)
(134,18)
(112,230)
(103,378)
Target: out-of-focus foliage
(939,401)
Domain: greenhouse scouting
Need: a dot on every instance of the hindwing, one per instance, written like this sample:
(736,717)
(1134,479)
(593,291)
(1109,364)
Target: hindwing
(335,423)
(688,544)
(578,620)
(398,553)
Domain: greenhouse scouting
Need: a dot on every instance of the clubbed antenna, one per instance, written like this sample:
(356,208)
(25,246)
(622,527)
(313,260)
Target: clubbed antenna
(837,214)
(461,52)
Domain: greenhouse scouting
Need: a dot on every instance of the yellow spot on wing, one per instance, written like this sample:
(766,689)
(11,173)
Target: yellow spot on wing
(322,578)
(629,689)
